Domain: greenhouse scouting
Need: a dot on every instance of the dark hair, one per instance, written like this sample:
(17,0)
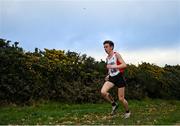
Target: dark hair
(109,42)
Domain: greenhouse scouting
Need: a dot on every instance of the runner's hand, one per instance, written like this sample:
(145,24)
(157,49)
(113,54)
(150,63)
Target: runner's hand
(107,78)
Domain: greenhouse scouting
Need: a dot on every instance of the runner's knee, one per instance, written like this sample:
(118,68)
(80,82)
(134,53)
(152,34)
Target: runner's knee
(121,98)
(103,93)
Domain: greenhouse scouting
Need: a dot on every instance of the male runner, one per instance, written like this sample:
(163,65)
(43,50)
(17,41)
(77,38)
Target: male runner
(115,66)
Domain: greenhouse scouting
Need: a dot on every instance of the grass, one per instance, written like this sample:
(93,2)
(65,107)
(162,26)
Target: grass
(147,112)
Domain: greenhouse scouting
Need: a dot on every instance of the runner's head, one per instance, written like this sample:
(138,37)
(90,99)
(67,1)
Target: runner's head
(108,46)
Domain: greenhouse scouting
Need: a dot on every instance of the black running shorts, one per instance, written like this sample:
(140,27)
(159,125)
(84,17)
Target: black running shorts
(118,80)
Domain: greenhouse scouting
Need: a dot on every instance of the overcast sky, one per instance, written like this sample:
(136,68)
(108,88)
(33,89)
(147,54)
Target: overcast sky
(142,30)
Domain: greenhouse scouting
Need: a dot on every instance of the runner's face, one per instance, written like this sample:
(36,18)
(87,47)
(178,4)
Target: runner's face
(107,48)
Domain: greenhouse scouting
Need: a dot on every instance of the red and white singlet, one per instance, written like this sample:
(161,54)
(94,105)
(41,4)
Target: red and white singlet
(114,61)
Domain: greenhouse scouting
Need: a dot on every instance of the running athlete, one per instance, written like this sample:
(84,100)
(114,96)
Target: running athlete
(115,66)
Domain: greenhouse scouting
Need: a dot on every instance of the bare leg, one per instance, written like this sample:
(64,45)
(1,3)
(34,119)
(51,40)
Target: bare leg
(122,99)
(104,91)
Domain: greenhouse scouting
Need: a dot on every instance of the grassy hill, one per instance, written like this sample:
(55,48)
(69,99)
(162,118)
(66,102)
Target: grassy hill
(143,112)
